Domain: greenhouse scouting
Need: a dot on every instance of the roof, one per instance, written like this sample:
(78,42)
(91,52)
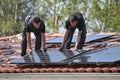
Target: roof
(10,50)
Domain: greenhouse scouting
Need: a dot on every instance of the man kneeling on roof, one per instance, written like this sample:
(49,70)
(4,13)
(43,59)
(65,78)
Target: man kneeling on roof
(36,25)
(74,21)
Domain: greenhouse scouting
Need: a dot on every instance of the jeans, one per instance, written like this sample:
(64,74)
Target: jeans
(69,39)
(24,42)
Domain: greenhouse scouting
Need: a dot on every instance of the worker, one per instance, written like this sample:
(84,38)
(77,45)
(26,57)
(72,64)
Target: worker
(36,25)
(74,21)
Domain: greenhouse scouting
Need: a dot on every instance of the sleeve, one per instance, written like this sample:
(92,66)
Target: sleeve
(43,27)
(28,28)
(81,24)
(67,24)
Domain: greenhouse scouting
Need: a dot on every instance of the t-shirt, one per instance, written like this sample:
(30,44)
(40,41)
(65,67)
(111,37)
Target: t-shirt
(80,24)
(30,27)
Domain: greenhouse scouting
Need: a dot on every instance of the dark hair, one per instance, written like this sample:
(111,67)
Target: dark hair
(73,18)
(36,19)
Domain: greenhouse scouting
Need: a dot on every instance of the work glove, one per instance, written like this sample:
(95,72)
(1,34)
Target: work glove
(44,49)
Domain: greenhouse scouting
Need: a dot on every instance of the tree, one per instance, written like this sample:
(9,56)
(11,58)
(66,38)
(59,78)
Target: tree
(100,15)
(105,15)
(12,13)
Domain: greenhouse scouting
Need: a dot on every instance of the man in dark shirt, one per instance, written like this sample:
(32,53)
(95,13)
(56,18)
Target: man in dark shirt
(36,25)
(74,21)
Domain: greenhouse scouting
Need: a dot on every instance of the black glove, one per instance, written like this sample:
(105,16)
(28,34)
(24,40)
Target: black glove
(44,50)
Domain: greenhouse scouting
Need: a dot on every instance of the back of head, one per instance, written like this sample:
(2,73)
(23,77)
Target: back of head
(73,18)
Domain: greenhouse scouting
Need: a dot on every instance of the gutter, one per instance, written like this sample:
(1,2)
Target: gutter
(60,76)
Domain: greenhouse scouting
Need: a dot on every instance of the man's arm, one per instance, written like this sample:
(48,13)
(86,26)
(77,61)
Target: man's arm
(78,39)
(64,39)
(43,40)
(29,41)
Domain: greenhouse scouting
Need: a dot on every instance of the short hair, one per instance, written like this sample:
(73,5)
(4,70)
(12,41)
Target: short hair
(73,18)
(36,19)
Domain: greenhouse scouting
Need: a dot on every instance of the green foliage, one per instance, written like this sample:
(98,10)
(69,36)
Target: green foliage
(12,13)
(107,15)
(100,15)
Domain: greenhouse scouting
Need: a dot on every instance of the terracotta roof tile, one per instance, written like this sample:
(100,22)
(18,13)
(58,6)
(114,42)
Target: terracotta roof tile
(89,70)
(72,70)
(42,70)
(27,70)
(114,69)
(15,69)
(35,70)
(82,70)
(98,69)
(19,70)
(57,70)
(49,70)
(3,70)
(65,70)
(106,70)
(10,50)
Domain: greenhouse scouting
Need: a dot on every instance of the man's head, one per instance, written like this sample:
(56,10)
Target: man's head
(36,22)
(73,20)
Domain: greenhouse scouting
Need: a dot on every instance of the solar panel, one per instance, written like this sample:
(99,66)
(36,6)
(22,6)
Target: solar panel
(110,55)
(96,36)
(89,38)
(51,56)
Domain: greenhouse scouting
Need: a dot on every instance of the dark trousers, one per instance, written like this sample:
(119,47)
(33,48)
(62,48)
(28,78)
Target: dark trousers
(82,41)
(69,39)
(24,42)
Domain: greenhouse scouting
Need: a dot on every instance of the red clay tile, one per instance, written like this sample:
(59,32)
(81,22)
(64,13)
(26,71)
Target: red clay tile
(64,70)
(114,70)
(3,70)
(106,69)
(19,70)
(15,69)
(49,70)
(35,70)
(11,70)
(98,69)
(27,70)
(81,70)
(42,70)
(89,70)
(57,70)
(72,70)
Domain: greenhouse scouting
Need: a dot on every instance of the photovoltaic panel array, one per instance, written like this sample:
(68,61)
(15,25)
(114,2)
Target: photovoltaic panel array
(89,38)
(50,56)
(110,55)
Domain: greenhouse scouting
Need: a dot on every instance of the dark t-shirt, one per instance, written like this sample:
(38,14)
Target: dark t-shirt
(80,24)
(31,28)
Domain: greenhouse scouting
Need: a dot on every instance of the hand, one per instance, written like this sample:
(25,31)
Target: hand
(61,48)
(75,48)
(30,50)
(44,50)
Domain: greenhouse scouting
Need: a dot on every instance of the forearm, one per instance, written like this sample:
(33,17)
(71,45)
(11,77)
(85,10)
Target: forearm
(43,40)
(78,39)
(65,37)
(29,40)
